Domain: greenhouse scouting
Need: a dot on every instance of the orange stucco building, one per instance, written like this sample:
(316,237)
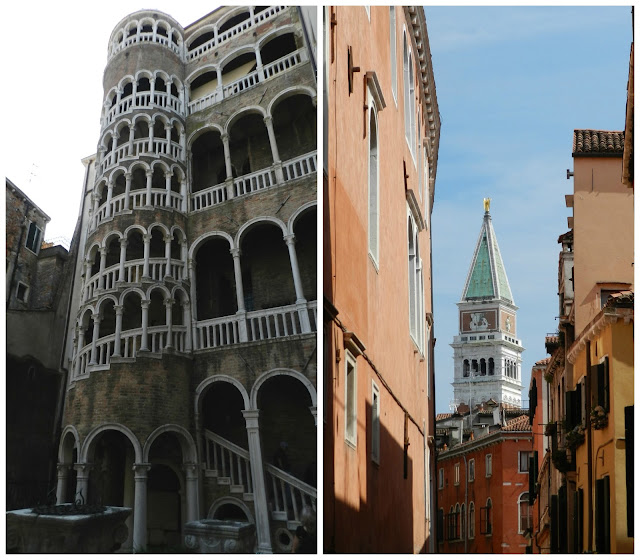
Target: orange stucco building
(381,143)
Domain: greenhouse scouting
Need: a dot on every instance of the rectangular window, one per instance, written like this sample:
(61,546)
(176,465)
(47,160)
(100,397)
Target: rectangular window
(487,466)
(472,521)
(600,384)
(523,461)
(21,292)
(392,52)
(350,409)
(453,526)
(456,474)
(375,423)
(440,479)
(485,520)
(33,238)
(472,470)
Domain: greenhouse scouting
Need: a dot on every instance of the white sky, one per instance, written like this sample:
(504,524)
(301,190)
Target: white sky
(54,54)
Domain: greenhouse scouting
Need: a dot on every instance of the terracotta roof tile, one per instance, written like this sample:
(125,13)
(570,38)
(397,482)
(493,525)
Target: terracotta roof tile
(598,142)
(519,424)
(443,416)
(543,362)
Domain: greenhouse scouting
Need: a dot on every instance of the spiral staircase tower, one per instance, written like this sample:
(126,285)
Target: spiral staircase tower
(192,357)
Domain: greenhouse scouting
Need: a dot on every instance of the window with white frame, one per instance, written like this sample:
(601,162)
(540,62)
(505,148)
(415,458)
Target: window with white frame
(440,479)
(375,423)
(350,399)
(416,285)
(523,461)
(472,470)
(33,238)
(472,520)
(486,519)
(392,52)
(413,257)
(487,465)
(409,97)
(525,516)
(456,474)
(374,198)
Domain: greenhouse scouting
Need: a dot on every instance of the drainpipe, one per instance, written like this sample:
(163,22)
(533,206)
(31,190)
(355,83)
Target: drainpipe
(589,454)
(466,513)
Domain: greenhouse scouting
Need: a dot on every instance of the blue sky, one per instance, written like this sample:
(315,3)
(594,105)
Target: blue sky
(512,85)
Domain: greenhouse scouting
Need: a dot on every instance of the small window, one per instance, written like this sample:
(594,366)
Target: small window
(350,409)
(456,474)
(21,292)
(486,519)
(472,470)
(523,461)
(33,238)
(440,479)
(375,423)
(487,465)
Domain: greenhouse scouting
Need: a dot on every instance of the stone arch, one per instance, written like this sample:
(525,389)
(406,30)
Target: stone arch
(231,14)
(251,109)
(188,445)
(92,435)
(200,71)
(155,287)
(115,173)
(288,92)
(110,235)
(180,290)
(64,450)
(284,30)
(104,299)
(281,371)
(233,501)
(255,221)
(134,227)
(139,164)
(292,219)
(93,249)
(208,128)
(131,290)
(125,80)
(225,379)
(198,242)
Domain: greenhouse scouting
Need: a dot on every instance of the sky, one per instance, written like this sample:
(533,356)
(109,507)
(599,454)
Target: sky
(512,84)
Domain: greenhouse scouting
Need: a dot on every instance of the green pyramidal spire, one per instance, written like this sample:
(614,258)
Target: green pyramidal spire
(487,278)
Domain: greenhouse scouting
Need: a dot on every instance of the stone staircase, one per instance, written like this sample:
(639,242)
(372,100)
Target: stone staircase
(230,466)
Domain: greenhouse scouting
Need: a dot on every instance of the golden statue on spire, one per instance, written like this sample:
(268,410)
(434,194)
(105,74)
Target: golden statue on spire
(487,203)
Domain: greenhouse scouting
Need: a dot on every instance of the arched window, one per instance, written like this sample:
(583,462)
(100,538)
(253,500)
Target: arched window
(465,368)
(483,366)
(463,517)
(392,51)
(456,534)
(524,513)
(374,202)
(472,520)
(491,366)
(486,519)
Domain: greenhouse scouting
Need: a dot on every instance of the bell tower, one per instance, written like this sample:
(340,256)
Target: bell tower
(487,350)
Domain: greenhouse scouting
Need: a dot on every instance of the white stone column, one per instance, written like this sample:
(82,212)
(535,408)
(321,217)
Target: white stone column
(109,197)
(94,340)
(149,175)
(119,93)
(152,91)
(168,304)
(259,490)
(186,319)
(183,193)
(103,263)
(145,324)
(183,145)
(63,478)
(134,94)
(167,255)
(82,482)
(123,259)
(241,314)
(167,186)
(96,203)
(127,190)
(290,240)
(87,276)
(114,147)
(167,130)
(191,265)
(237,269)
(151,132)
(277,164)
(191,471)
(147,249)
(259,68)
(116,345)
(132,133)
(140,471)
(80,347)
(227,165)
